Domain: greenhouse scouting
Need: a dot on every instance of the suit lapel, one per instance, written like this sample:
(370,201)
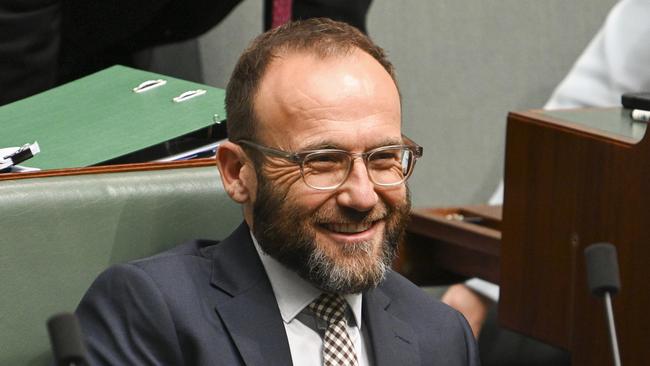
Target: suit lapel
(393,341)
(248,307)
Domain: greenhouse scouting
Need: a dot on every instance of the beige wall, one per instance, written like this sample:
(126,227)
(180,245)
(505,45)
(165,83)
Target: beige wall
(462,65)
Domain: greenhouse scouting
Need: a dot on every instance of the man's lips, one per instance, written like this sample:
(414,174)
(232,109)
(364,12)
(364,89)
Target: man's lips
(348,228)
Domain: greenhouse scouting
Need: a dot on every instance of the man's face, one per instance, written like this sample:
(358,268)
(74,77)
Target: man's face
(341,240)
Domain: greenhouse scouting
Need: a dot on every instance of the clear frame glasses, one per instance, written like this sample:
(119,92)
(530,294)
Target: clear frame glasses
(328,169)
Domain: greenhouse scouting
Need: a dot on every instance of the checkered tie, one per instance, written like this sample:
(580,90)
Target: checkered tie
(338,349)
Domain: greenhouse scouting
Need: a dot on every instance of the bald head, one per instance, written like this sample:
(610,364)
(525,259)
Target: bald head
(322,38)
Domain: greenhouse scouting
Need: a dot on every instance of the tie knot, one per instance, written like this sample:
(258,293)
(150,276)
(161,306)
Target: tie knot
(330,308)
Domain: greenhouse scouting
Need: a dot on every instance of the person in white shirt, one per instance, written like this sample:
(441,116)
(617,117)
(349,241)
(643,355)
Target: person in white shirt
(616,61)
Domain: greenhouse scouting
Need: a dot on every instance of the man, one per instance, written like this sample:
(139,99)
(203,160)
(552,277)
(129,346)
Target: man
(317,160)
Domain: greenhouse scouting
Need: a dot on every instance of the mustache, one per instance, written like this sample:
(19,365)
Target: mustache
(351,216)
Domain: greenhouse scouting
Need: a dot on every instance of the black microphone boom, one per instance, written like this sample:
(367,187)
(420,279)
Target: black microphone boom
(66,340)
(603,280)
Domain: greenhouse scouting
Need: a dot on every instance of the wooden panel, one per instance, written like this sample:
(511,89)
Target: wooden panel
(566,189)
(461,241)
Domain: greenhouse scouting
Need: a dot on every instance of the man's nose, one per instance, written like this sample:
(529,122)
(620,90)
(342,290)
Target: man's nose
(358,191)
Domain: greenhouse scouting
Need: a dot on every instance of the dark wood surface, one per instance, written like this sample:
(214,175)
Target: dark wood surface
(445,244)
(566,188)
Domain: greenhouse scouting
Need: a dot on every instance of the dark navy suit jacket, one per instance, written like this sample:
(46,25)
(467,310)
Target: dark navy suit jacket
(204,303)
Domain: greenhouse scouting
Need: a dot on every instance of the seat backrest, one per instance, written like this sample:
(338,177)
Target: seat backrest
(57,233)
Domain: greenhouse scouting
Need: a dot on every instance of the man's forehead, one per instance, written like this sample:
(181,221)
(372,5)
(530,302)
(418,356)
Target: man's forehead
(283,54)
(300,65)
(306,101)
(303,79)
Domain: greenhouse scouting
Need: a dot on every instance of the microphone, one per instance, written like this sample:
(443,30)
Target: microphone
(603,280)
(65,337)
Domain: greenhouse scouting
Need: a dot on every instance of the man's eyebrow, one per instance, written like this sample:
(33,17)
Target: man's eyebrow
(325,144)
(321,144)
(388,142)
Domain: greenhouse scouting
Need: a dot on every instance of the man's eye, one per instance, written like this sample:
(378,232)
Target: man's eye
(386,155)
(324,158)
(388,159)
(325,161)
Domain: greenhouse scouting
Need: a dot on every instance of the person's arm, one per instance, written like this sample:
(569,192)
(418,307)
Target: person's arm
(615,61)
(470,303)
(474,297)
(29,47)
(125,320)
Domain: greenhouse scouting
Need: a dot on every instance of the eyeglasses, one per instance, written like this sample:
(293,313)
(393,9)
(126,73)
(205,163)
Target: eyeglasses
(327,169)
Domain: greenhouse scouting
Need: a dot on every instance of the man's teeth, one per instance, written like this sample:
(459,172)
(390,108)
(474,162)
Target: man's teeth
(348,228)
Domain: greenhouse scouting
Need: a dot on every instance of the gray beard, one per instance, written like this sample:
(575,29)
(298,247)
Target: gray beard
(283,232)
(333,277)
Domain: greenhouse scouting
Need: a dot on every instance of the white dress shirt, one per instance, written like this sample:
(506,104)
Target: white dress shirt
(293,294)
(616,61)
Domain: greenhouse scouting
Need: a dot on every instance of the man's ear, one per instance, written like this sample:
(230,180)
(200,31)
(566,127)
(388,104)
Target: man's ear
(237,175)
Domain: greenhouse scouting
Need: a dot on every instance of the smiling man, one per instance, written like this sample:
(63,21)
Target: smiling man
(318,162)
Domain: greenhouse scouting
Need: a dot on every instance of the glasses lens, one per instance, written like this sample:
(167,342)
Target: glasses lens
(325,169)
(390,166)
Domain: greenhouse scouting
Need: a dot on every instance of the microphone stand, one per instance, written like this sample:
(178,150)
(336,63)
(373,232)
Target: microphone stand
(612,329)
(603,278)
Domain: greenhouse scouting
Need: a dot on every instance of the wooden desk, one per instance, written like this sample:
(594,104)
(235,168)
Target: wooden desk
(447,244)
(572,178)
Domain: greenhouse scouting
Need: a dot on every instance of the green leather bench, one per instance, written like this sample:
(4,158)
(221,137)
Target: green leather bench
(58,232)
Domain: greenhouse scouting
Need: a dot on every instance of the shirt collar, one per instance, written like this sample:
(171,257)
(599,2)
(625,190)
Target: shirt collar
(293,293)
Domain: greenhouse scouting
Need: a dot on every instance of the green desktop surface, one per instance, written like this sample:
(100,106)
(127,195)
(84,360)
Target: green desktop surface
(98,118)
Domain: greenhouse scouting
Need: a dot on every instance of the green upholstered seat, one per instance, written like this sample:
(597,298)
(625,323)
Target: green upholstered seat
(58,233)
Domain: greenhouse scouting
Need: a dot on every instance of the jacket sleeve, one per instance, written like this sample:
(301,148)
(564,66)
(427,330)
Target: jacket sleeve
(125,320)
(471,346)
(29,47)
